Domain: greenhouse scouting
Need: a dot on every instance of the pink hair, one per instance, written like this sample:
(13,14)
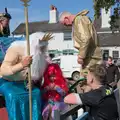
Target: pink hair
(54,69)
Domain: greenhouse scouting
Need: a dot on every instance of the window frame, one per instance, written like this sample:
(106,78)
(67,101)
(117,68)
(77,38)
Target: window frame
(67,36)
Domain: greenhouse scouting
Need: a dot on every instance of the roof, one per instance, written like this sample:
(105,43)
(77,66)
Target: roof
(42,26)
(109,39)
(98,24)
(106,39)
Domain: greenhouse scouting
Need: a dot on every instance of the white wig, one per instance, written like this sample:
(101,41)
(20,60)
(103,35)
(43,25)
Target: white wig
(39,63)
(35,42)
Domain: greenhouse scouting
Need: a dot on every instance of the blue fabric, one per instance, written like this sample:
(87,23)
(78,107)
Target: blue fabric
(17,100)
(5,42)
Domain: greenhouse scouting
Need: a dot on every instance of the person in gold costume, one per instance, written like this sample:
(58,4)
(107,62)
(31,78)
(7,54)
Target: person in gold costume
(84,37)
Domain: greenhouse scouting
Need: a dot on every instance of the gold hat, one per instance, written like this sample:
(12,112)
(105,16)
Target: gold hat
(5,15)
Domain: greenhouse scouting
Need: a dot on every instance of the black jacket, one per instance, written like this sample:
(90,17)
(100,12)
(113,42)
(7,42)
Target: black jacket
(112,74)
(102,104)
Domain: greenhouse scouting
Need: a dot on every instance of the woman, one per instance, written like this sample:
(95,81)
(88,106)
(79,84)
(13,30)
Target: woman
(4,24)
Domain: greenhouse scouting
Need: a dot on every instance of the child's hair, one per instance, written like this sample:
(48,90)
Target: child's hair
(99,72)
(54,70)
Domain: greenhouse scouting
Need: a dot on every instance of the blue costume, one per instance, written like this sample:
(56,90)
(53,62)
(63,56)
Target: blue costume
(15,93)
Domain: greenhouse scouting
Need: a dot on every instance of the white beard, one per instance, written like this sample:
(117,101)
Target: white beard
(39,63)
(38,66)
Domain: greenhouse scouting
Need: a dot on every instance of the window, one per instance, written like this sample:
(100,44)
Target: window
(67,36)
(105,54)
(115,54)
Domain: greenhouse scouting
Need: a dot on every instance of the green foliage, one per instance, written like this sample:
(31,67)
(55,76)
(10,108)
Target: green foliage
(114,18)
(98,4)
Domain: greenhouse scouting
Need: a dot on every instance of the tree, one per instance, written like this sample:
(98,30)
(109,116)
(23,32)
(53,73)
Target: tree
(98,4)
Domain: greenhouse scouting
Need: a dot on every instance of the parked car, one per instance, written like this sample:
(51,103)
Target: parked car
(69,66)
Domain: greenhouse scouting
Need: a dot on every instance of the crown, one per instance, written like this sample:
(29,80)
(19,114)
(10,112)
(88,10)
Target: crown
(47,37)
(6,14)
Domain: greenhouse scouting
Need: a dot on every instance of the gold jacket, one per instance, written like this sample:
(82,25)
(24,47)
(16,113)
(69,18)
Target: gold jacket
(85,39)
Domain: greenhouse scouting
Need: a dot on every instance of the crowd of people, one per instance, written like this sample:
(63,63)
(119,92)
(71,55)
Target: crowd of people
(50,89)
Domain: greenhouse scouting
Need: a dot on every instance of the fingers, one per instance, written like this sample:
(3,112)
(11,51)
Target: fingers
(47,36)
(29,59)
(79,57)
(28,86)
(80,61)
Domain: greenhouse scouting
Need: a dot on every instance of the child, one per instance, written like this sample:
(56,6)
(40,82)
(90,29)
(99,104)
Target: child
(55,88)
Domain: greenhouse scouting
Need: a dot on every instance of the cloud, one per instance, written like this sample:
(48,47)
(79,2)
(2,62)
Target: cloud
(15,10)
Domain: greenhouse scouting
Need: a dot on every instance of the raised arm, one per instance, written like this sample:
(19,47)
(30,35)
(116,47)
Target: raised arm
(10,65)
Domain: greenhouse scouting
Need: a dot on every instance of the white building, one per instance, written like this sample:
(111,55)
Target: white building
(62,41)
(109,41)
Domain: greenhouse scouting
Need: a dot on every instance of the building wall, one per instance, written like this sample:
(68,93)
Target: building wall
(58,43)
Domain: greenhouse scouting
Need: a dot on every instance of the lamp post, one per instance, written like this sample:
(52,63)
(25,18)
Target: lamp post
(28,52)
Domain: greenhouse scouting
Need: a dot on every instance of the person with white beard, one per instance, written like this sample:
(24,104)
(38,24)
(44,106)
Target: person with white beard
(14,71)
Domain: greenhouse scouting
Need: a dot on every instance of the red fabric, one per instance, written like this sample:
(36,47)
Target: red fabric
(54,69)
(3,114)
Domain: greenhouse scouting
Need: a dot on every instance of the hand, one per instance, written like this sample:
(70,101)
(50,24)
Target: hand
(29,85)
(26,61)
(56,86)
(51,86)
(80,60)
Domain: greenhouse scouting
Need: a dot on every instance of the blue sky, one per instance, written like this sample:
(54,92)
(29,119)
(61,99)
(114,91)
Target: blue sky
(39,9)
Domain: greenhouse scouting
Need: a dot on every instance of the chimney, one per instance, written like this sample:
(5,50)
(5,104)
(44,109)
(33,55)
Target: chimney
(53,15)
(105,18)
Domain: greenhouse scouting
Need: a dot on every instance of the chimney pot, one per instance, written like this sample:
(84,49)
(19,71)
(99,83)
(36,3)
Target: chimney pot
(53,15)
